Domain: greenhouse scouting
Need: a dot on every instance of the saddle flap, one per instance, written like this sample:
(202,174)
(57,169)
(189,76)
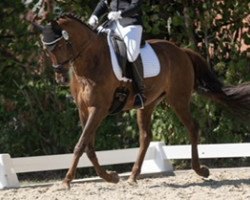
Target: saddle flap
(120,52)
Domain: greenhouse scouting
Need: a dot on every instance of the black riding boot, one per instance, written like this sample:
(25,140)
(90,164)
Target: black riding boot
(137,71)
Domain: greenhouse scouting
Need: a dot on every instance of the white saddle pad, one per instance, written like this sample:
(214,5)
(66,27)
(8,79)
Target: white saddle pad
(151,64)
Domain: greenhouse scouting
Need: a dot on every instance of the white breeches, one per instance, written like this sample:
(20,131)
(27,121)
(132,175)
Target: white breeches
(131,36)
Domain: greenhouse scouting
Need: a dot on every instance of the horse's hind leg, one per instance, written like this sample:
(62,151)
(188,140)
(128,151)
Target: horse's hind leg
(182,110)
(144,123)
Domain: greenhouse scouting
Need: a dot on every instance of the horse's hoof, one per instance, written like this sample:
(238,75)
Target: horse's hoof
(132,181)
(113,177)
(203,171)
(66,184)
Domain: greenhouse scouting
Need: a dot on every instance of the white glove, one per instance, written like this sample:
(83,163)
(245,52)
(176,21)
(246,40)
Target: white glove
(114,15)
(93,20)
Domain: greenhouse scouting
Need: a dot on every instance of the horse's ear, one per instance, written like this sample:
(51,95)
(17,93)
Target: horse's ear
(56,27)
(38,27)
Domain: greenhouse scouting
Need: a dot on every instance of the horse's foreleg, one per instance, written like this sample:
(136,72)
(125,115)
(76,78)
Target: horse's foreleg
(144,123)
(111,176)
(185,116)
(94,119)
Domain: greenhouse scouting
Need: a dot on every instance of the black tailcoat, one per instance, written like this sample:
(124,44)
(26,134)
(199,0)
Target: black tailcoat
(130,10)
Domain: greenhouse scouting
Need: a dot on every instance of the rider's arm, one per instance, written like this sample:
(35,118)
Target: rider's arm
(101,8)
(132,9)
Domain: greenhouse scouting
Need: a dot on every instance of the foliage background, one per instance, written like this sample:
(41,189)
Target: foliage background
(38,117)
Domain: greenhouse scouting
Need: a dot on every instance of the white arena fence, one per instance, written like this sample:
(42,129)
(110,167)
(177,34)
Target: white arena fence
(157,159)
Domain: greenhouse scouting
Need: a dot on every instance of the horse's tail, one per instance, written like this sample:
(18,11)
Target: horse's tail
(237,98)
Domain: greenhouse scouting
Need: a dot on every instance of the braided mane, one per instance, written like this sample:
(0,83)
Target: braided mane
(72,16)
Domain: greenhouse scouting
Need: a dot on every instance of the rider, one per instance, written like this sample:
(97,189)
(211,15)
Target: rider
(127,24)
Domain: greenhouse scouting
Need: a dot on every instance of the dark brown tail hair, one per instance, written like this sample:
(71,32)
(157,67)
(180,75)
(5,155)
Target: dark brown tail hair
(237,98)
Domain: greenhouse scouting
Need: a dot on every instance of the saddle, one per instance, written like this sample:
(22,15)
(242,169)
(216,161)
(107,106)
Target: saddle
(121,55)
(123,69)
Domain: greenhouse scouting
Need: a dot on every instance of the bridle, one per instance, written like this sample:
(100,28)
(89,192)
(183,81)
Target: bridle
(60,67)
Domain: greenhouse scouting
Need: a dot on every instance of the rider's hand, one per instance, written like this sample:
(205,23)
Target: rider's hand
(93,20)
(114,15)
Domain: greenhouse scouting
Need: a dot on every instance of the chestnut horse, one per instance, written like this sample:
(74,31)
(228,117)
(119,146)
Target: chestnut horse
(93,84)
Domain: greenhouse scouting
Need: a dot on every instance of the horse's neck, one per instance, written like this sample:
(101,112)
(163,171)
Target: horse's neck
(93,63)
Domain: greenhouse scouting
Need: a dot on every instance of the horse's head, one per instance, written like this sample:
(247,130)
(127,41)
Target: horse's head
(58,47)
(64,47)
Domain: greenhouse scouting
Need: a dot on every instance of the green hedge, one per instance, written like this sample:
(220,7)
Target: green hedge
(38,117)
